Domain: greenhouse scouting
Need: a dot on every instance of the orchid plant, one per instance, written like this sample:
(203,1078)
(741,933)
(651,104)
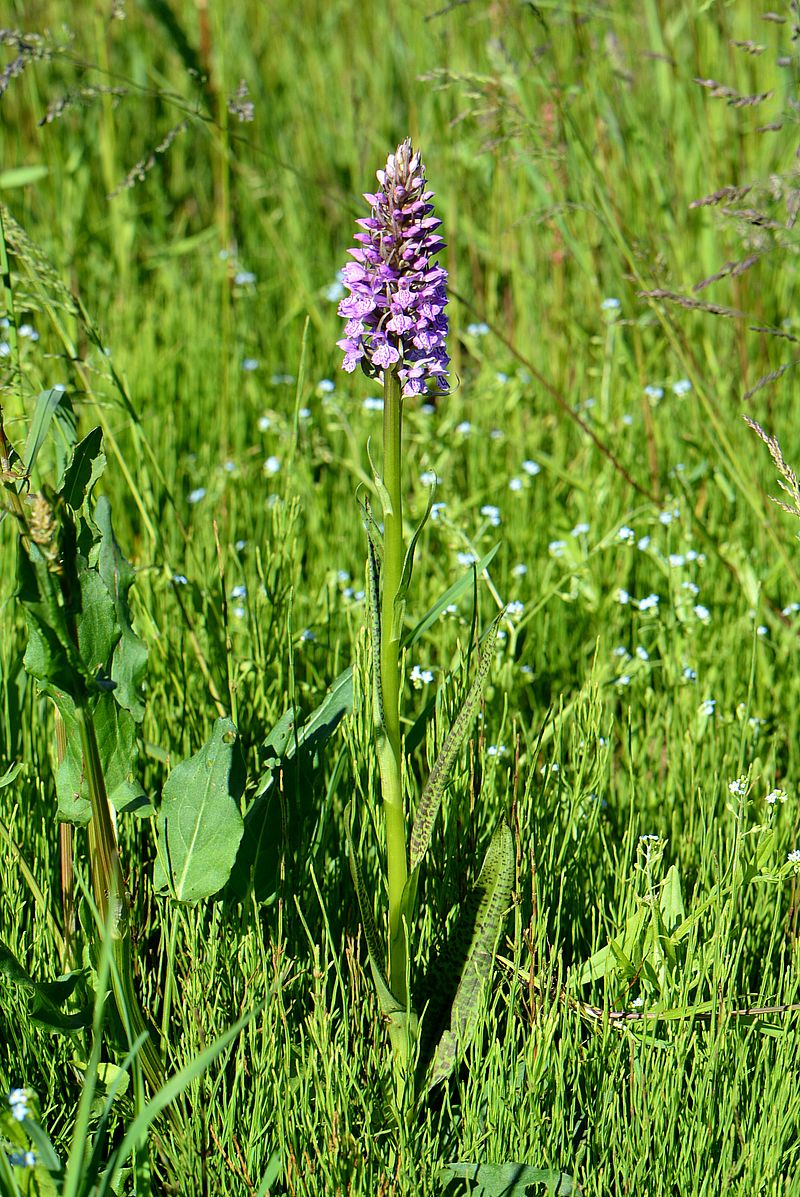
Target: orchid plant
(397,331)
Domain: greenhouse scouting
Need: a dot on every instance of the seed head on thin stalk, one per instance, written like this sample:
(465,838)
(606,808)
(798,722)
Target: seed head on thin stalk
(395,310)
(789,483)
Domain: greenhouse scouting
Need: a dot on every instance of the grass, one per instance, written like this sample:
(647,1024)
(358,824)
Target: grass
(565,146)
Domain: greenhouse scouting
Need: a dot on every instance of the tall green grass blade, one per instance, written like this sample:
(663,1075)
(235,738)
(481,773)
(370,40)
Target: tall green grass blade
(46,405)
(465,582)
(388,1002)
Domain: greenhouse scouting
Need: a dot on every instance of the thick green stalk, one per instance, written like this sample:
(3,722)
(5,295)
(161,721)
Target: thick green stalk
(390,752)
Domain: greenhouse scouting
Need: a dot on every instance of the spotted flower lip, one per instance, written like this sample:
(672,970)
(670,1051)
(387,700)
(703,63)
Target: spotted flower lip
(395,311)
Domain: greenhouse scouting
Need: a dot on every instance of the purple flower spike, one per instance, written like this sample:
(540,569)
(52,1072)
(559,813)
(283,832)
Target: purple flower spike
(395,309)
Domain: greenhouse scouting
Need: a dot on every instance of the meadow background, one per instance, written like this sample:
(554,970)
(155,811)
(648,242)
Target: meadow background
(181,283)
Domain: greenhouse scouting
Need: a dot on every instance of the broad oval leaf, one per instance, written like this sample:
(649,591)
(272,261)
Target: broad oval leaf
(199,823)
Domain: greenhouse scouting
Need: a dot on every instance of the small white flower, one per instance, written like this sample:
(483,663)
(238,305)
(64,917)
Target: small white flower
(264,423)
(515,609)
(22,1159)
(689,673)
(627,419)
(464,428)
(792,609)
(18,1103)
(762,630)
(610,304)
(626,534)
(501,376)
(496,750)
(579,530)
(643,544)
(496,434)
(794,856)
(666,517)
(702,613)
(334,292)
(240,546)
(708,706)
(282,380)
(420,677)
(515,484)
(272,465)
(775,796)
(437,509)
(620,651)
(27,330)
(642,653)
(692,588)
(532,468)
(197,494)
(180,579)
(428,478)
(492,514)
(428,409)
(653,392)
(244,278)
(649,603)
(478,330)
(466,558)
(250,364)
(676,560)
(682,386)
(637,1003)
(326,385)
(372,403)
(623,597)
(738,787)
(556,548)
(307,635)
(239,592)
(519,570)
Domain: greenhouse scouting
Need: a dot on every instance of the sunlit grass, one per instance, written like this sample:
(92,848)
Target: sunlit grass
(647,659)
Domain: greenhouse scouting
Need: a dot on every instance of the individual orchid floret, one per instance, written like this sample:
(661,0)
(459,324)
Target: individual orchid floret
(395,310)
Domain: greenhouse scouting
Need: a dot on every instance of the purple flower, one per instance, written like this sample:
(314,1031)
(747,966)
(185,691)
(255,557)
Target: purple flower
(395,309)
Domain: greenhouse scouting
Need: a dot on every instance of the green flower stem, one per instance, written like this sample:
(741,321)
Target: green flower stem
(108,886)
(390,751)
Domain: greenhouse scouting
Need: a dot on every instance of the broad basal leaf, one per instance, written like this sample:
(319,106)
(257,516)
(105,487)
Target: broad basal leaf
(117,745)
(199,823)
(509,1180)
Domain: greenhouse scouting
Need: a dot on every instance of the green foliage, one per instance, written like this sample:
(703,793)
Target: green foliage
(199,822)
(568,145)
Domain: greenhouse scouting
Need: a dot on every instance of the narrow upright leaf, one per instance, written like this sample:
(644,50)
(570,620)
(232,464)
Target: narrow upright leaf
(130,654)
(472,949)
(431,797)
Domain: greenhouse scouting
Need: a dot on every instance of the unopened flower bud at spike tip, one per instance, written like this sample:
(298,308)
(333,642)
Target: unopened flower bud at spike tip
(395,311)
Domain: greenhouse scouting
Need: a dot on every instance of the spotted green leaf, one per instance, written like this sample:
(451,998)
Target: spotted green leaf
(431,798)
(471,950)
